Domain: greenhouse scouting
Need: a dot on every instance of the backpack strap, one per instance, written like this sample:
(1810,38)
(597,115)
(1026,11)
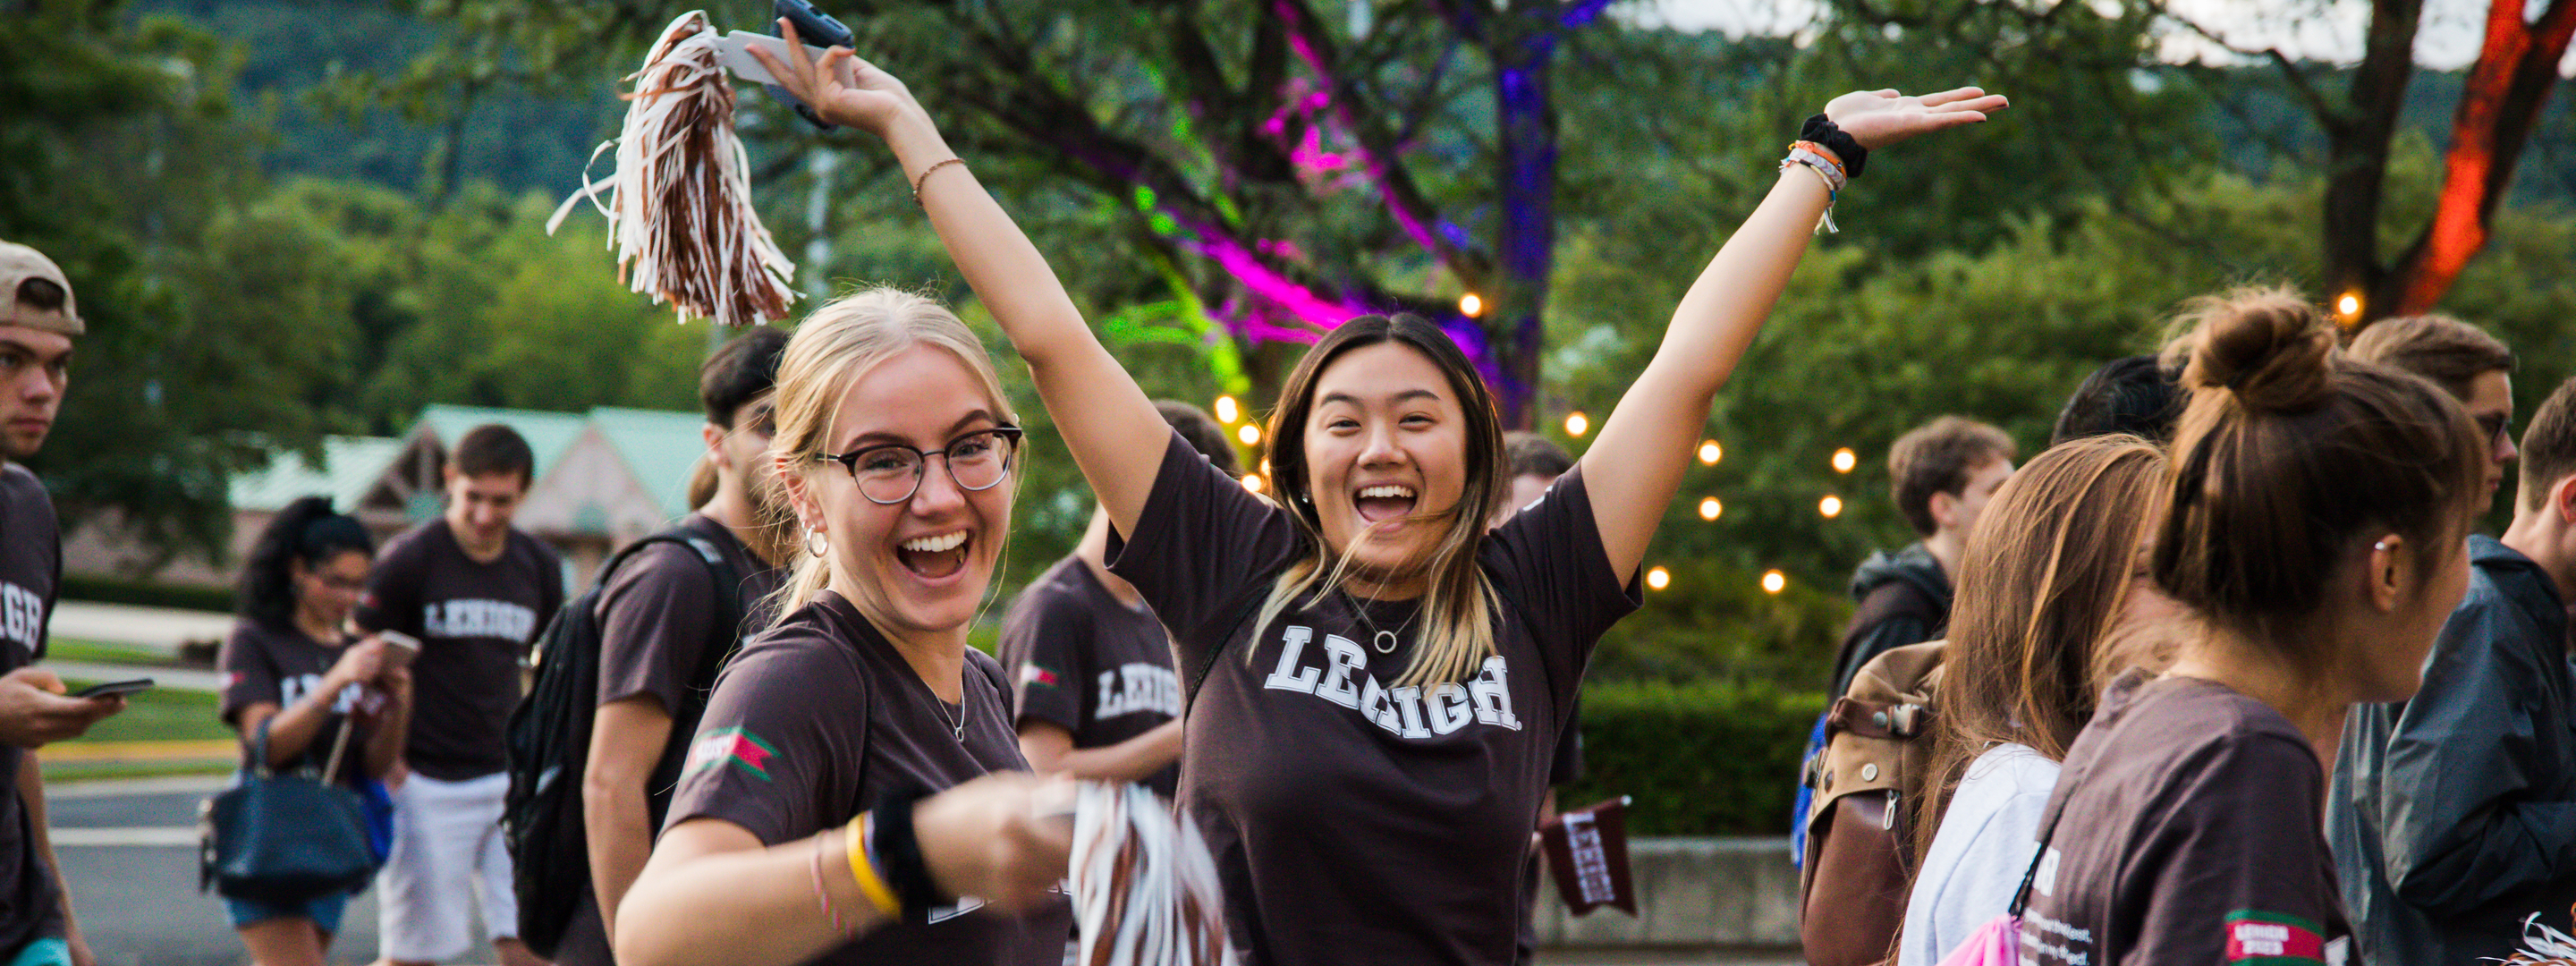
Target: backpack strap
(726,636)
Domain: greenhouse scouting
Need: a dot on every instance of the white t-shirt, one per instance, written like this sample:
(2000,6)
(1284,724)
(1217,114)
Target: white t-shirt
(1984,846)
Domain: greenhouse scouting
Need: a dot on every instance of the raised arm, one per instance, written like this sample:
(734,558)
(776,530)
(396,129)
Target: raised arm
(1636,464)
(1107,421)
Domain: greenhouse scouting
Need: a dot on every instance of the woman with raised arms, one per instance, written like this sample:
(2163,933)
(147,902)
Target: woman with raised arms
(1376,682)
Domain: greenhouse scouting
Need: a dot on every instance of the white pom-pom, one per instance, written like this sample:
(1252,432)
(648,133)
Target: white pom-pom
(1145,890)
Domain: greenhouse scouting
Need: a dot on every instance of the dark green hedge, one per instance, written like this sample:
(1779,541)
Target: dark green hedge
(1699,759)
(110,590)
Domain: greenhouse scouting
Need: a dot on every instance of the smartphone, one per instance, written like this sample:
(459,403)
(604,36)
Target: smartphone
(814,28)
(114,688)
(400,648)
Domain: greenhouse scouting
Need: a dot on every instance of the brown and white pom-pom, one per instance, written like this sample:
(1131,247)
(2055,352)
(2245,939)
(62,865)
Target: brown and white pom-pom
(680,203)
(2544,946)
(1145,890)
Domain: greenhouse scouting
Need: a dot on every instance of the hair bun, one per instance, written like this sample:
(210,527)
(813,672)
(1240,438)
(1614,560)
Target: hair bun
(2268,346)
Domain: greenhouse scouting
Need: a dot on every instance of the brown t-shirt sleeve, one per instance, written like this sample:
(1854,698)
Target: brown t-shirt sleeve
(1548,563)
(2236,871)
(654,620)
(250,672)
(392,598)
(781,747)
(1045,648)
(1203,550)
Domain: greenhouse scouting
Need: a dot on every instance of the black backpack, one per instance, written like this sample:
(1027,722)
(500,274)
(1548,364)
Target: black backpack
(549,745)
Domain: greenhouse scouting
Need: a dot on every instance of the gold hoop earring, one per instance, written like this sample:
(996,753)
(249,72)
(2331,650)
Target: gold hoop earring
(818,552)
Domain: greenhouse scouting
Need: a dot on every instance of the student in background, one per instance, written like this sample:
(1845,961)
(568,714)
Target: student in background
(1536,461)
(2454,813)
(1942,474)
(657,619)
(2474,367)
(38,322)
(475,592)
(1090,664)
(290,670)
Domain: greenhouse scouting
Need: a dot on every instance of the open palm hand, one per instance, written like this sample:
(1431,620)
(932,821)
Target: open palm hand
(1883,117)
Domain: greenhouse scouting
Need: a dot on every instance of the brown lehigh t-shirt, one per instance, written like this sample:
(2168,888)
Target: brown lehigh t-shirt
(656,617)
(474,621)
(31,571)
(1353,821)
(264,665)
(2192,833)
(1082,661)
(818,718)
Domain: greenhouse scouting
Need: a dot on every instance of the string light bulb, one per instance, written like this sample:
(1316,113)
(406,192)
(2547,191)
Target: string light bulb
(1658,579)
(1249,434)
(1845,459)
(2349,306)
(1577,424)
(1471,305)
(1774,582)
(1710,508)
(1226,412)
(1252,482)
(1710,452)
(1831,506)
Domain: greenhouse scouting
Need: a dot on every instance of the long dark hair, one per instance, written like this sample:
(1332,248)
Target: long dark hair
(306,532)
(1457,631)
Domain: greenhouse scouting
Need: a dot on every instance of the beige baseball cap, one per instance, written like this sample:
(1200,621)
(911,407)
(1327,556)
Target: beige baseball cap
(18,264)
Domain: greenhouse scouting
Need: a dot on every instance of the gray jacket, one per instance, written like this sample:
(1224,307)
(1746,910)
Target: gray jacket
(2454,814)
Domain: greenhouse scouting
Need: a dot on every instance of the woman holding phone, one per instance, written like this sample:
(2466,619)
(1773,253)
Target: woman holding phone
(292,673)
(1383,679)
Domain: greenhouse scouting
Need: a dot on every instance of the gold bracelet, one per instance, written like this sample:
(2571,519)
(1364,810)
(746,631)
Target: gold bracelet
(924,178)
(872,885)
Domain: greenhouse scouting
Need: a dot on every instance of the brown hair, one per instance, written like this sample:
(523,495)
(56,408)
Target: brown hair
(2044,581)
(1531,454)
(2549,445)
(495,448)
(2288,453)
(2446,350)
(1458,609)
(1937,457)
(1202,432)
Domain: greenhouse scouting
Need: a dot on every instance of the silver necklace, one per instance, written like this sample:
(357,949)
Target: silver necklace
(956,722)
(1381,640)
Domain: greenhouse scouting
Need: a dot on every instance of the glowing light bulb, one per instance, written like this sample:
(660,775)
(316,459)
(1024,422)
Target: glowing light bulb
(1252,482)
(2349,305)
(1658,579)
(1471,305)
(1709,508)
(1577,424)
(1831,507)
(1774,582)
(1225,410)
(1845,459)
(1249,434)
(1710,452)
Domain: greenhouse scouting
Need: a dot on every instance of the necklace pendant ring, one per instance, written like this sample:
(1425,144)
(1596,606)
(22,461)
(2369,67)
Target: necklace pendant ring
(1384,642)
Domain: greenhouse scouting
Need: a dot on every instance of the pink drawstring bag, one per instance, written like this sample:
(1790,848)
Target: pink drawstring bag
(1997,943)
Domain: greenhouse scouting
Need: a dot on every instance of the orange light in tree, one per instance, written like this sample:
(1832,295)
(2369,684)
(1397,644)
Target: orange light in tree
(1845,459)
(1249,434)
(1252,482)
(1710,508)
(1830,506)
(1658,579)
(2349,306)
(1226,412)
(1471,305)
(1577,424)
(1774,582)
(1710,452)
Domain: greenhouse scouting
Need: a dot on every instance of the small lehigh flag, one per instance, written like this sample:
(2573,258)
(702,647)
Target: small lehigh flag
(744,749)
(1033,674)
(1587,849)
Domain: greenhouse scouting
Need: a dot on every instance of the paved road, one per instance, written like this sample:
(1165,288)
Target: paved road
(128,849)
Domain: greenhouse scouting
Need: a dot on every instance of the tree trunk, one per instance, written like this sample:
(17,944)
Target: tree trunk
(2357,139)
(2517,66)
(1526,177)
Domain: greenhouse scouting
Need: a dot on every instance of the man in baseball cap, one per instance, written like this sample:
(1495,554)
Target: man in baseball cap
(37,324)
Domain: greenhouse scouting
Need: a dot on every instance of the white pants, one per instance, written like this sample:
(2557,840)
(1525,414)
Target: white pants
(447,841)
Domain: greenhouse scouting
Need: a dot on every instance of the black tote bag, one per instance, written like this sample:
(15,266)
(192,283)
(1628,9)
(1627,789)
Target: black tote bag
(285,838)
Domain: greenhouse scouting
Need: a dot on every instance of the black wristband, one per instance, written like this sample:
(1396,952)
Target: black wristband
(899,854)
(1821,130)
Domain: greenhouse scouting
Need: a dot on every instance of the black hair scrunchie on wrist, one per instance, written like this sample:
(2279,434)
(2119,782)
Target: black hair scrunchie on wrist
(899,854)
(1821,130)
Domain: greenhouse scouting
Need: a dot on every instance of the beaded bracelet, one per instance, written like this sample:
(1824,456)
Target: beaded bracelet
(1826,172)
(863,866)
(924,177)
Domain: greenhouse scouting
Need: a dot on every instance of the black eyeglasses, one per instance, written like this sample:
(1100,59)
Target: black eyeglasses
(2495,425)
(890,473)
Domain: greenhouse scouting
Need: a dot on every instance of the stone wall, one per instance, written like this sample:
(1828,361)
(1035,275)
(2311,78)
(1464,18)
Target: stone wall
(1693,892)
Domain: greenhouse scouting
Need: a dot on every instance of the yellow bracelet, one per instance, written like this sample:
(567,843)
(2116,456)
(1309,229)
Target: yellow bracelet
(872,885)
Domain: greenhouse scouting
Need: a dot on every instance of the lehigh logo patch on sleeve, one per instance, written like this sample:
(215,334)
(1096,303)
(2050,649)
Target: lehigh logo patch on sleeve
(1032,674)
(744,749)
(2274,939)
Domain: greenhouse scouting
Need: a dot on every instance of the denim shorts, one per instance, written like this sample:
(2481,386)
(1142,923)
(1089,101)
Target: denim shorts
(325,912)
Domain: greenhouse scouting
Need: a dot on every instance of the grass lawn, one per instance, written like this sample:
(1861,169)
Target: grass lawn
(96,652)
(160,714)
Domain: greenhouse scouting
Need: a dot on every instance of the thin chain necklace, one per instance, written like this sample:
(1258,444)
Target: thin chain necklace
(956,722)
(1381,640)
